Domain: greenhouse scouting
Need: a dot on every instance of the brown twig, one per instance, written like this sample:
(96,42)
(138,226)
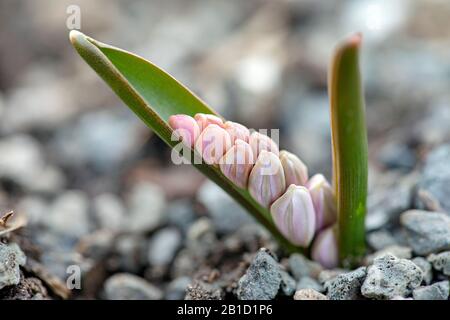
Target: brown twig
(4,219)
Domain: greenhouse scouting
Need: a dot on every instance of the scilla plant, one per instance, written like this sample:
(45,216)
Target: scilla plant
(304,214)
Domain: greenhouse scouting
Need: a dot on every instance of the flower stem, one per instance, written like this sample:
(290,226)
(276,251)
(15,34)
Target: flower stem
(349,146)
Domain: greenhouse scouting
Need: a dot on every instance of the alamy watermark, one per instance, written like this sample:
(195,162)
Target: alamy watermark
(73,20)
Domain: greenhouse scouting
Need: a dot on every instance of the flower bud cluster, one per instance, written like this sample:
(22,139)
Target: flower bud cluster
(303,208)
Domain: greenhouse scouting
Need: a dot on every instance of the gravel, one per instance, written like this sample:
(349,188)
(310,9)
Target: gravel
(109,211)
(125,286)
(301,267)
(146,205)
(396,250)
(389,277)
(346,286)
(427,232)
(437,291)
(426,268)
(435,177)
(262,279)
(163,247)
(441,262)
(11,258)
(309,283)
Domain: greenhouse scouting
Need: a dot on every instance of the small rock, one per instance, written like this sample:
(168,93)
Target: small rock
(309,294)
(437,291)
(176,290)
(441,262)
(96,245)
(262,279)
(201,238)
(125,286)
(346,286)
(11,258)
(201,290)
(401,252)
(427,232)
(385,206)
(288,284)
(128,253)
(180,214)
(327,275)
(163,247)
(380,239)
(68,215)
(309,283)
(226,214)
(26,166)
(436,176)
(301,267)
(425,266)
(389,277)
(147,208)
(397,156)
(109,211)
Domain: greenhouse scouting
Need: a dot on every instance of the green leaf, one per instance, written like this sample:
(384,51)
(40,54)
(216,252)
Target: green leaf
(349,143)
(154,96)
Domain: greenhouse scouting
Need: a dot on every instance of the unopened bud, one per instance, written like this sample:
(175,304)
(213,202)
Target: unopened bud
(325,248)
(237,163)
(205,120)
(295,170)
(266,182)
(293,214)
(323,200)
(185,127)
(237,131)
(260,142)
(213,143)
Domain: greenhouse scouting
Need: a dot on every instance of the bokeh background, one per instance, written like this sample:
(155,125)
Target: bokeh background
(99,189)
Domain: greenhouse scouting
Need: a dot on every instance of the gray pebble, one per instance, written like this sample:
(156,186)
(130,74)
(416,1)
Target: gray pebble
(176,290)
(301,267)
(68,215)
(180,214)
(380,239)
(441,262)
(427,232)
(226,214)
(346,286)
(11,258)
(109,211)
(309,283)
(288,284)
(437,291)
(326,275)
(262,279)
(425,266)
(389,277)
(435,178)
(125,286)
(163,247)
(146,204)
(396,250)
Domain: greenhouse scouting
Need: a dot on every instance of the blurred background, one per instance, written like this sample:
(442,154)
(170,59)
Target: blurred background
(99,189)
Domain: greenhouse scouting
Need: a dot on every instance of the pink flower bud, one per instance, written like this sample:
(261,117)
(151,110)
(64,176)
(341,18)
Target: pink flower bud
(237,131)
(185,127)
(260,142)
(205,120)
(293,214)
(325,248)
(237,163)
(295,170)
(266,182)
(324,201)
(213,143)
